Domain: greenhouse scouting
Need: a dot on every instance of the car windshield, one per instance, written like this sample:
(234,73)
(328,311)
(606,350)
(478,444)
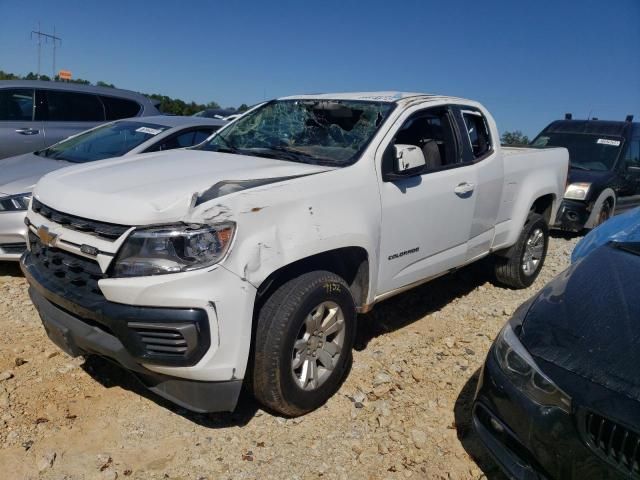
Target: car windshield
(322,132)
(111,140)
(586,151)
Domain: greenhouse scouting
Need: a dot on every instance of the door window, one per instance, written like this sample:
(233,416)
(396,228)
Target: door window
(432,132)
(477,133)
(183,139)
(16,104)
(117,108)
(70,107)
(632,155)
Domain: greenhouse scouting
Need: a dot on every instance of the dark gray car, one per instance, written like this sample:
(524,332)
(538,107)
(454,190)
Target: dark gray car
(35,114)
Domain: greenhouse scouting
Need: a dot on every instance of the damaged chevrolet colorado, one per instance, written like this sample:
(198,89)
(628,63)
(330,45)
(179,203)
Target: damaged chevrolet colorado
(245,260)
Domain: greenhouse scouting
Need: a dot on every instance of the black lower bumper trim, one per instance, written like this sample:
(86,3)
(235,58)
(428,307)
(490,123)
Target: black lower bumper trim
(120,320)
(76,337)
(572,216)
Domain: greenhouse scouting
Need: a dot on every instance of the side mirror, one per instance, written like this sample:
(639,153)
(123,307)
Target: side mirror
(404,161)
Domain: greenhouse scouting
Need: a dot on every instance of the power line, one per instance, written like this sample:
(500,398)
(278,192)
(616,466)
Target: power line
(47,37)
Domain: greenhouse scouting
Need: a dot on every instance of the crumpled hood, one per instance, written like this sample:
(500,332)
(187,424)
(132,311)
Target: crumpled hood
(153,188)
(20,174)
(587,321)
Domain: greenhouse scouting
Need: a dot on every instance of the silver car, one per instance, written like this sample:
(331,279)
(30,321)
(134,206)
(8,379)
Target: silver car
(18,175)
(35,114)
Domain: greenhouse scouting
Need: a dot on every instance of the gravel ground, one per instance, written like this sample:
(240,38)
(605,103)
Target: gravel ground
(403,412)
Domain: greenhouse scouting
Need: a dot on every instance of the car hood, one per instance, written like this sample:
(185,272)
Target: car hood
(155,188)
(598,179)
(20,174)
(587,320)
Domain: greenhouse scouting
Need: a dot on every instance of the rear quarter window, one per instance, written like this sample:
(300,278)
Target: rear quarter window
(478,133)
(117,108)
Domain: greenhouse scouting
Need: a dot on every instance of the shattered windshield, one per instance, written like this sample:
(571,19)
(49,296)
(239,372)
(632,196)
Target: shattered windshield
(323,132)
(586,151)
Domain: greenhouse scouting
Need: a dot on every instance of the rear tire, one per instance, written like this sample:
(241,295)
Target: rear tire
(522,263)
(303,342)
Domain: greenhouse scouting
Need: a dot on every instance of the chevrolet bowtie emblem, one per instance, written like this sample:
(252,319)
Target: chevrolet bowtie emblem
(48,238)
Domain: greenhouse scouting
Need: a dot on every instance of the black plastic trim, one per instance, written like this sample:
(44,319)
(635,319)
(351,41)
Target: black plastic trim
(113,317)
(76,337)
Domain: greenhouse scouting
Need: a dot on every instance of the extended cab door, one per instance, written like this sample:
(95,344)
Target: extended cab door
(481,150)
(426,218)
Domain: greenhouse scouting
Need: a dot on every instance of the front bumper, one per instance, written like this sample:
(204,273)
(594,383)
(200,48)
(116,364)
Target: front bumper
(572,215)
(120,318)
(527,440)
(13,235)
(77,337)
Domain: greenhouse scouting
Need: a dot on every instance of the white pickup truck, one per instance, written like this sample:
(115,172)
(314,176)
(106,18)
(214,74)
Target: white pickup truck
(245,260)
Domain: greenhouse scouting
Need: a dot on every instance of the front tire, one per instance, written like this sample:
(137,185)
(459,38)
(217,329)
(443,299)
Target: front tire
(604,214)
(520,267)
(303,342)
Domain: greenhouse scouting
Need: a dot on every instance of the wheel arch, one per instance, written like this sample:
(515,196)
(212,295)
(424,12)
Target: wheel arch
(350,263)
(544,205)
(608,194)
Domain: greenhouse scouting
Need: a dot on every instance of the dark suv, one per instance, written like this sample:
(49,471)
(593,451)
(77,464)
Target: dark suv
(604,176)
(36,114)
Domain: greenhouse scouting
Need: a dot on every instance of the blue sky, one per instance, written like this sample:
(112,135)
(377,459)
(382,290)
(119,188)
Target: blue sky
(527,61)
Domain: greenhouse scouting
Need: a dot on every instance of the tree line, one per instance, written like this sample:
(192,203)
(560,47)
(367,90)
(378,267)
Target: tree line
(174,106)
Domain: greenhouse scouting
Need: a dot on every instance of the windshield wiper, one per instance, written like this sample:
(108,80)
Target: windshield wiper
(578,167)
(300,156)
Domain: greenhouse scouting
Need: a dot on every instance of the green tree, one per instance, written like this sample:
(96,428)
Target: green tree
(515,137)
(100,83)
(243,108)
(8,76)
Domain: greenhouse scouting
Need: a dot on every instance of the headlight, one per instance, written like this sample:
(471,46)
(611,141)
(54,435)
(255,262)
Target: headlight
(522,371)
(160,250)
(577,191)
(15,203)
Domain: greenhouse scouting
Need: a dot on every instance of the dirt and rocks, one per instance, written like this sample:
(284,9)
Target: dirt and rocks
(403,412)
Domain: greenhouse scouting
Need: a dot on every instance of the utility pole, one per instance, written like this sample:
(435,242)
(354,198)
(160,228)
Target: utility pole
(55,40)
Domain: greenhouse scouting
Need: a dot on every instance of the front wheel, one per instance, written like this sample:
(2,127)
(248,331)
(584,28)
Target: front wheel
(604,214)
(303,343)
(520,267)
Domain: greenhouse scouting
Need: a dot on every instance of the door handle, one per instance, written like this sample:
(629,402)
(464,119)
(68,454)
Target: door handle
(27,131)
(464,189)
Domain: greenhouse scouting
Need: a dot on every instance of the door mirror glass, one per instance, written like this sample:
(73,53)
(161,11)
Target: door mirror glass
(409,159)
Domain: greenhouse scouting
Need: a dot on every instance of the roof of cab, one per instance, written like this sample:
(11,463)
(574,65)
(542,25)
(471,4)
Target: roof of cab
(593,127)
(389,97)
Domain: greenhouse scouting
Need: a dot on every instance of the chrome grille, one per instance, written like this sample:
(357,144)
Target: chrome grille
(64,267)
(108,231)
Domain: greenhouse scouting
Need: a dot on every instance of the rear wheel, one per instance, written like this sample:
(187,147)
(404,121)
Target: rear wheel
(303,343)
(521,265)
